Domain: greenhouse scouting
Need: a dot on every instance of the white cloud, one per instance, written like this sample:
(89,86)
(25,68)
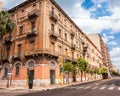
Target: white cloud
(98,1)
(112,43)
(99,6)
(107,38)
(115,56)
(114,3)
(77,5)
(89,25)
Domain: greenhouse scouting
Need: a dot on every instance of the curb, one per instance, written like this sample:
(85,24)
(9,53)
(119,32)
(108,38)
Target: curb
(52,87)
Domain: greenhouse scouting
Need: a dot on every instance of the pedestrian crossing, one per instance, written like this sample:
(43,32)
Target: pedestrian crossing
(100,87)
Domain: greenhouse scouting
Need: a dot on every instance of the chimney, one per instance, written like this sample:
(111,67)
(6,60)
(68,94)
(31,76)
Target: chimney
(1,5)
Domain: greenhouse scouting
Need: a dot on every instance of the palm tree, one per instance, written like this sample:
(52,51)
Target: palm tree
(82,64)
(6,27)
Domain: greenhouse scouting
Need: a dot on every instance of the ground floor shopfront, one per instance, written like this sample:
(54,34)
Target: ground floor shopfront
(35,72)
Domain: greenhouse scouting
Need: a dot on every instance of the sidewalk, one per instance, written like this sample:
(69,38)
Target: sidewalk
(48,87)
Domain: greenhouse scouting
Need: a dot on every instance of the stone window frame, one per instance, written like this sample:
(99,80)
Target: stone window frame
(51,64)
(20,65)
(31,60)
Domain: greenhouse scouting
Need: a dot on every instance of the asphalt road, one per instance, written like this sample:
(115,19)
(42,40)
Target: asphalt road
(109,87)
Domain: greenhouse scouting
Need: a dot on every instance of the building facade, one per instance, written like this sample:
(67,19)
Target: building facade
(44,38)
(98,41)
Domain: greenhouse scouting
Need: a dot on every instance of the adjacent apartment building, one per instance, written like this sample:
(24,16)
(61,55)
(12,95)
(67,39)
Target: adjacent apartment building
(98,41)
(43,39)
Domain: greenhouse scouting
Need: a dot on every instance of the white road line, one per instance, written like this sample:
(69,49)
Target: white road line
(118,88)
(113,84)
(111,88)
(80,87)
(67,87)
(103,87)
(87,87)
(72,87)
(94,87)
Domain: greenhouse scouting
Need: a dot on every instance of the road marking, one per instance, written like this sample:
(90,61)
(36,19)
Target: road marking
(113,84)
(80,87)
(97,84)
(66,87)
(118,88)
(111,88)
(87,87)
(72,87)
(94,87)
(103,87)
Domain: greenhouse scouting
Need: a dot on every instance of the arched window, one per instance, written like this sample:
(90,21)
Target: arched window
(30,64)
(52,65)
(17,69)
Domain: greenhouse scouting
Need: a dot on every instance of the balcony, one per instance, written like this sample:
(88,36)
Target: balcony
(33,14)
(31,35)
(8,40)
(73,46)
(53,16)
(85,48)
(17,56)
(5,59)
(53,35)
(72,34)
(68,59)
(46,52)
(32,32)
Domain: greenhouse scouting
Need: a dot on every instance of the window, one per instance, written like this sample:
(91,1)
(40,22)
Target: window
(34,5)
(30,64)
(59,32)
(52,27)
(65,21)
(32,45)
(77,45)
(52,11)
(59,49)
(65,36)
(22,10)
(77,56)
(66,51)
(33,24)
(52,65)
(52,46)
(92,50)
(21,29)
(17,69)
(19,49)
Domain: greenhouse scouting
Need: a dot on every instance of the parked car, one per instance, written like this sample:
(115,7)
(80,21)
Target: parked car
(106,75)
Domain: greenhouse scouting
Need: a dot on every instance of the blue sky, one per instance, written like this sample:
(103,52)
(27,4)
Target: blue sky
(92,16)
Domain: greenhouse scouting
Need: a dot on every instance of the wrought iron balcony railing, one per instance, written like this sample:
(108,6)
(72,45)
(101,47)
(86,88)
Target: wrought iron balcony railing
(53,16)
(34,13)
(8,40)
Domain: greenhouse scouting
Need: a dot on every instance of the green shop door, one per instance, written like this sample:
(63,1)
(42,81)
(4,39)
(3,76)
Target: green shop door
(52,76)
(30,78)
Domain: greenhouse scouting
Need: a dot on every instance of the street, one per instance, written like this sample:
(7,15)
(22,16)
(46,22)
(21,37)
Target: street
(107,87)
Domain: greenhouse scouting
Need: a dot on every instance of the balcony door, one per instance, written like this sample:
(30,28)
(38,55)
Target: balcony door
(52,76)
